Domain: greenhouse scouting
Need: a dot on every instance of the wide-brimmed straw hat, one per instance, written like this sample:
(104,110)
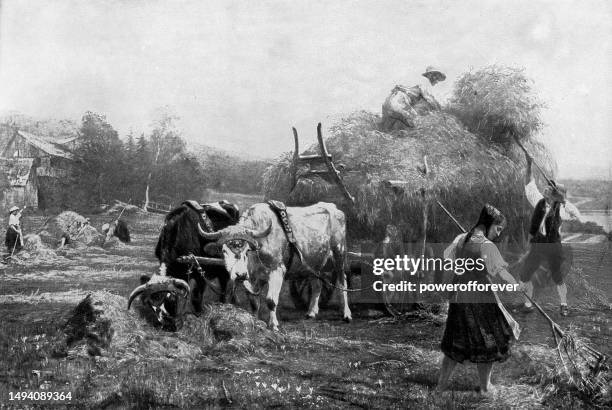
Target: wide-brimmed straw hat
(13,209)
(557,191)
(560,191)
(434,72)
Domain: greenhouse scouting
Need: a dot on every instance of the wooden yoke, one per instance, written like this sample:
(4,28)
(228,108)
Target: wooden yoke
(324,157)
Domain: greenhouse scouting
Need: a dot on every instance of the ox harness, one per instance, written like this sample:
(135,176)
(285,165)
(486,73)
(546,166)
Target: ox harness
(205,219)
(202,212)
(280,210)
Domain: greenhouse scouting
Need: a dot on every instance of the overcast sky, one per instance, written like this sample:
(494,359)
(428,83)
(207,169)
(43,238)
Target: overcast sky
(241,73)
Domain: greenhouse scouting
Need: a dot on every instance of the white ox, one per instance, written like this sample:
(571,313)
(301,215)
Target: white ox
(257,249)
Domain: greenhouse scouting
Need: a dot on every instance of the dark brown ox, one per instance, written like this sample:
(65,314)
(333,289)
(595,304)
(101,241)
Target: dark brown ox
(257,249)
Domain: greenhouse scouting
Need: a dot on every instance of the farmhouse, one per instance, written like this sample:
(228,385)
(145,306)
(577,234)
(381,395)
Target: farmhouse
(35,168)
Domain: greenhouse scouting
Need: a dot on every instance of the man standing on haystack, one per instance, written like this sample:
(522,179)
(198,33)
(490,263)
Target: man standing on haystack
(14,237)
(404,104)
(550,208)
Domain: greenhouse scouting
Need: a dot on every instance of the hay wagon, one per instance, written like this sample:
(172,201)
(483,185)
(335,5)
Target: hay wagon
(359,258)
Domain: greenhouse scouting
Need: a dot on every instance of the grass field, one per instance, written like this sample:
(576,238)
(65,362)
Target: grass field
(374,362)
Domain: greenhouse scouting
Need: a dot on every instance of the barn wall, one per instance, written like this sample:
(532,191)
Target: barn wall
(31,191)
(53,193)
(12,196)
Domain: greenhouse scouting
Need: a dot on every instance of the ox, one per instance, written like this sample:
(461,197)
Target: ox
(166,292)
(257,248)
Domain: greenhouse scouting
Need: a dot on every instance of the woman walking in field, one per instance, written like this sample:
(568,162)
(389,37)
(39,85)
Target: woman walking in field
(478,327)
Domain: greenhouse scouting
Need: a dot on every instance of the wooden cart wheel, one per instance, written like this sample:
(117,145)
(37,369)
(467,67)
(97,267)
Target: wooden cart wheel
(301,291)
(398,302)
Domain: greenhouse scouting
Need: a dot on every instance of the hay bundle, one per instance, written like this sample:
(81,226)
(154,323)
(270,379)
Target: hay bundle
(497,103)
(72,226)
(35,252)
(90,236)
(34,245)
(464,172)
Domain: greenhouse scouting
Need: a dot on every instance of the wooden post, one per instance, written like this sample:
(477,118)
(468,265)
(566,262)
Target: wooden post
(332,169)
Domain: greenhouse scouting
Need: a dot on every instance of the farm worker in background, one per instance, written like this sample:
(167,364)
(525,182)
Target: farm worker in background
(80,226)
(14,237)
(478,327)
(118,228)
(550,208)
(404,104)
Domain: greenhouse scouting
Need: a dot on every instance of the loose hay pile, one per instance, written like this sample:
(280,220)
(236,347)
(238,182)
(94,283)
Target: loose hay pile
(123,208)
(73,226)
(100,325)
(540,364)
(497,103)
(35,252)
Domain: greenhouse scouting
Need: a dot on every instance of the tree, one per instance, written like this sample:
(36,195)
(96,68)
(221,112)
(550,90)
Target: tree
(100,159)
(166,144)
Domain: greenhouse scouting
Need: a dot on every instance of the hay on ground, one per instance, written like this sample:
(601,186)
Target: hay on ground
(118,207)
(464,172)
(35,251)
(100,325)
(73,226)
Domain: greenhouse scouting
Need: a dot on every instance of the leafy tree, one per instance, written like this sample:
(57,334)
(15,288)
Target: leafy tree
(100,160)
(168,166)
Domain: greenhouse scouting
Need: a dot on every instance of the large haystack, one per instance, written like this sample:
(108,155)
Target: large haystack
(464,172)
(471,153)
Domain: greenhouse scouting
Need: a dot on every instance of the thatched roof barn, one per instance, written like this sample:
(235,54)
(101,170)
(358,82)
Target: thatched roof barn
(385,172)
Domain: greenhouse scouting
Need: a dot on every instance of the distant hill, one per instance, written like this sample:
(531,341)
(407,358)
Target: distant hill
(589,194)
(228,171)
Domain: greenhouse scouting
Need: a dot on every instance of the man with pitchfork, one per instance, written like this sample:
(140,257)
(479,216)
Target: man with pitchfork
(550,208)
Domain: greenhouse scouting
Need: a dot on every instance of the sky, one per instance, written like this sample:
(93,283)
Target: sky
(240,74)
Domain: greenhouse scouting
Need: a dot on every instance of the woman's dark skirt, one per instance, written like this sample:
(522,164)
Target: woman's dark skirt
(12,241)
(477,332)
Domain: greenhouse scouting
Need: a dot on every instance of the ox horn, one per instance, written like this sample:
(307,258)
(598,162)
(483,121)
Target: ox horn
(249,288)
(179,283)
(210,236)
(159,287)
(135,293)
(260,233)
